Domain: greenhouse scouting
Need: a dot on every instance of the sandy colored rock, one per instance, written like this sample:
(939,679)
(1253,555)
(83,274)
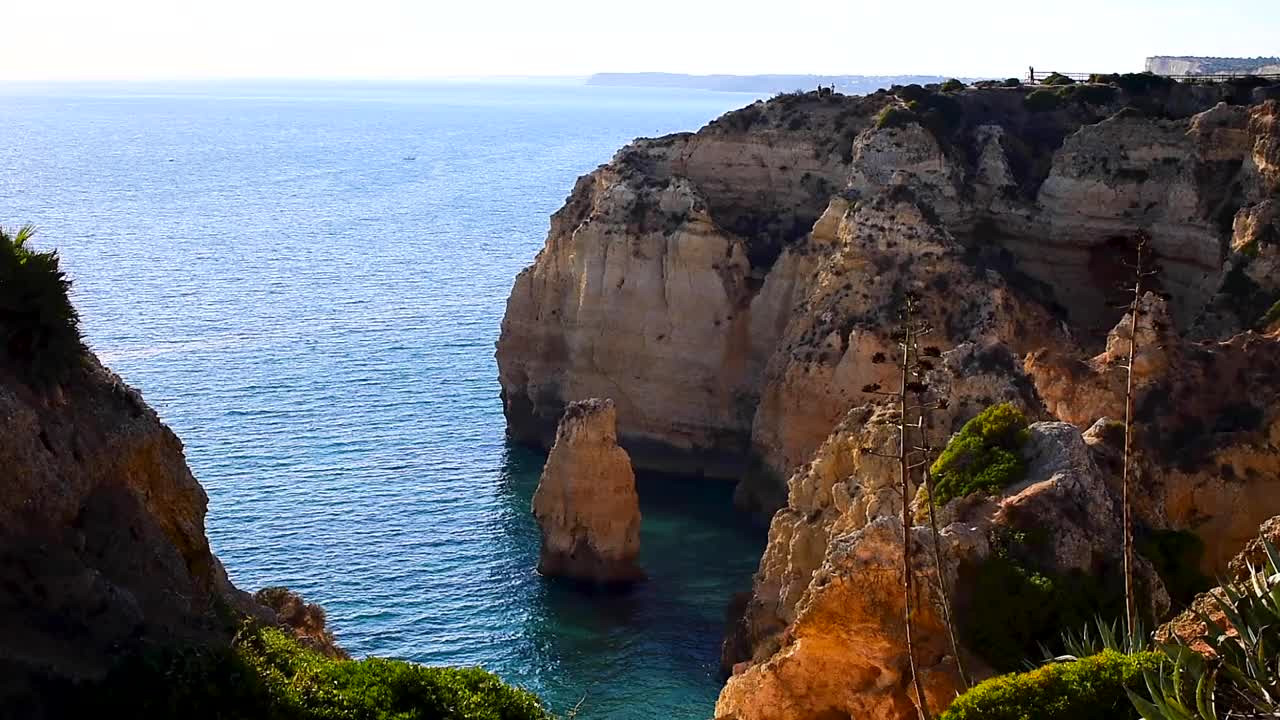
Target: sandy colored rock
(586,502)
(1188,626)
(1015,227)
(828,598)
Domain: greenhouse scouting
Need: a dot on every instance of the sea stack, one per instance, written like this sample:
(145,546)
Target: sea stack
(586,503)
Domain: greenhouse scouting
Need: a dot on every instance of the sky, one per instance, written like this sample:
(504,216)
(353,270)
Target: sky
(417,39)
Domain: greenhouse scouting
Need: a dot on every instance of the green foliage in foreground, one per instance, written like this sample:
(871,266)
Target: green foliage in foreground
(268,675)
(1016,612)
(1242,678)
(1271,315)
(1093,688)
(39,327)
(983,456)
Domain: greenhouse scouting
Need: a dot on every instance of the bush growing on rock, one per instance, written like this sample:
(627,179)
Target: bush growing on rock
(1134,83)
(1088,94)
(1058,79)
(1016,611)
(894,116)
(983,456)
(267,674)
(1092,688)
(1043,101)
(39,327)
(952,85)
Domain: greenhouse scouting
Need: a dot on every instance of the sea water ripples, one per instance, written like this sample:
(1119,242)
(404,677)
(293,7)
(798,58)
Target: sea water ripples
(314,314)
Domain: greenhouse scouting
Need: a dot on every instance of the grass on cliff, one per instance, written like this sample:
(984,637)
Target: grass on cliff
(984,456)
(39,327)
(1091,688)
(266,674)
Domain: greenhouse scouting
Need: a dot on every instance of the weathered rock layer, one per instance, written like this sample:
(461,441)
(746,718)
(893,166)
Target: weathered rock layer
(586,502)
(738,291)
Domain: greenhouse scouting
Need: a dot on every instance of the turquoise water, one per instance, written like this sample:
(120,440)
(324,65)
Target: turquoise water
(306,281)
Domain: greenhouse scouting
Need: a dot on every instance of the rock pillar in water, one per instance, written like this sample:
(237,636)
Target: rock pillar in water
(586,503)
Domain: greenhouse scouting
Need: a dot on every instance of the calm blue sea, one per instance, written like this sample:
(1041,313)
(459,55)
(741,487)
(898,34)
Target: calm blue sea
(306,281)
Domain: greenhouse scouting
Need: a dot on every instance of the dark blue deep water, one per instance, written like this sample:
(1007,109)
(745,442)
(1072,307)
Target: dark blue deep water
(306,281)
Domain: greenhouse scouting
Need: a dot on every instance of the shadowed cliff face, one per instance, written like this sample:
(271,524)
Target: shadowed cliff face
(102,542)
(1012,216)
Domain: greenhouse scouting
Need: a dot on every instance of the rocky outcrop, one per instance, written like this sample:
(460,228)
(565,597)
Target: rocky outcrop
(102,541)
(728,287)
(837,647)
(586,502)
(101,527)
(1189,626)
(306,621)
(738,289)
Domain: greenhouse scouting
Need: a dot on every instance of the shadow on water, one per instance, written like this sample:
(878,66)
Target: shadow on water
(652,651)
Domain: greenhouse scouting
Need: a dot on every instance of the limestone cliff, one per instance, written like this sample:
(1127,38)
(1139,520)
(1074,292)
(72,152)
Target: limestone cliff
(833,579)
(737,288)
(728,287)
(586,502)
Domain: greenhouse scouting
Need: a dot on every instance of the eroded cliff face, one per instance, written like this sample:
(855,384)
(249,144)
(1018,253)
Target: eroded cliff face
(827,612)
(102,539)
(101,526)
(586,502)
(727,287)
(1013,220)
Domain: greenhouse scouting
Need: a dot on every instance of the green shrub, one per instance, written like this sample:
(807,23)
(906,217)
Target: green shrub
(1057,79)
(895,116)
(39,327)
(983,456)
(910,92)
(1092,688)
(268,675)
(1088,94)
(1176,555)
(1012,83)
(1042,101)
(1016,612)
(1271,315)
(1142,83)
(952,85)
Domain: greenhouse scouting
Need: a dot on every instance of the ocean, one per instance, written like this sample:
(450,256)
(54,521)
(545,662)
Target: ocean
(306,281)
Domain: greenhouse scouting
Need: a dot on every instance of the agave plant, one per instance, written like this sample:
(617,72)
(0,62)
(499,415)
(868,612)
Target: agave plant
(39,327)
(1241,677)
(1099,636)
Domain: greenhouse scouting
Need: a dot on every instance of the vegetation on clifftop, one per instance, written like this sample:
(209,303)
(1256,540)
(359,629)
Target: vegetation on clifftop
(1093,688)
(1015,610)
(267,674)
(39,327)
(983,456)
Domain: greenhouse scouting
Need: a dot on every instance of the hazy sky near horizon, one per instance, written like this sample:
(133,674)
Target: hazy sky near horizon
(404,39)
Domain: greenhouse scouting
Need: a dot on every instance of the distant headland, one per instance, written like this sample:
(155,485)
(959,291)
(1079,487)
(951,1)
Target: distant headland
(1188,65)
